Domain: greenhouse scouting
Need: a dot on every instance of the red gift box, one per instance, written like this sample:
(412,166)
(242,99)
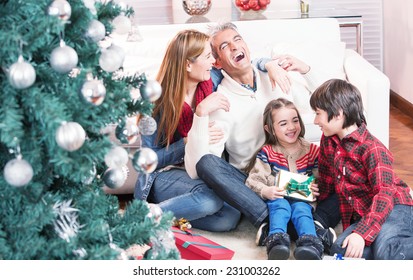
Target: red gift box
(194,246)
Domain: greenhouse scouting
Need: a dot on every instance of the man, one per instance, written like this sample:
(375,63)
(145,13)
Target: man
(248,92)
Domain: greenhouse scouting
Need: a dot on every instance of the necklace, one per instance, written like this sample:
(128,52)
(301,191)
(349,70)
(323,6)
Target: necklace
(292,153)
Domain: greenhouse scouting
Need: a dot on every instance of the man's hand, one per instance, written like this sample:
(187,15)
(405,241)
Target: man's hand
(278,76)
(211,103)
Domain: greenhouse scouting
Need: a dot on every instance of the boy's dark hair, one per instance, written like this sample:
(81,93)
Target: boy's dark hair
(336,95)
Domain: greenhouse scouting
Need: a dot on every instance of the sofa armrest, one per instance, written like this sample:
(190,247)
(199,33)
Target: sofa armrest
(374,86)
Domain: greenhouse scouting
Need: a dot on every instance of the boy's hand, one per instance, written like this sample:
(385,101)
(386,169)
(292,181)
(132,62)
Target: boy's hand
(314,189)
(355,245)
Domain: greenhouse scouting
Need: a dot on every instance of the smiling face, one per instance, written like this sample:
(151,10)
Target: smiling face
(200,69)
(329,128)
(286,125)
(233,54)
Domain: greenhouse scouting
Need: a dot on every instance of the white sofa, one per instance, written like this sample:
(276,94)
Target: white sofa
(315,41)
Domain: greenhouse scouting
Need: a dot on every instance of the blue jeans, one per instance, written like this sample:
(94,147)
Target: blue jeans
(175,191)
(394,241)
(228,182)
(282,211)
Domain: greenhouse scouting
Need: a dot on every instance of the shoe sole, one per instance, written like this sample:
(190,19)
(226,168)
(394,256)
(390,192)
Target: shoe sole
(306,253)
(279,252)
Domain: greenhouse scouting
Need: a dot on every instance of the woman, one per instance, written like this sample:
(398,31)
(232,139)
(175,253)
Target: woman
(186,83)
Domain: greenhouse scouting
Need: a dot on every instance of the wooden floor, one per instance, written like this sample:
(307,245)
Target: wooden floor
(401,144)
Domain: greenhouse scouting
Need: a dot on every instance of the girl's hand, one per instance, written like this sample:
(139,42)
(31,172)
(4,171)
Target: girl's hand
(355,245)
(215,133)
(273,193)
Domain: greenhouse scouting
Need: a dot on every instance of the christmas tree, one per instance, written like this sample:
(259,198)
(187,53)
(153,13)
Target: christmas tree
(61,88)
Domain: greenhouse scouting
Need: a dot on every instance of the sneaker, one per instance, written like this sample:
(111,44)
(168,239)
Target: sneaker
(262,233)
(327,236)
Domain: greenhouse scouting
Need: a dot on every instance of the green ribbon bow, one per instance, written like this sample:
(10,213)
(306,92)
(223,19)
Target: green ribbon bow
(300,187)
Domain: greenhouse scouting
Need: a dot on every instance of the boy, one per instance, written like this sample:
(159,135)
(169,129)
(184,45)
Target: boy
(375,205)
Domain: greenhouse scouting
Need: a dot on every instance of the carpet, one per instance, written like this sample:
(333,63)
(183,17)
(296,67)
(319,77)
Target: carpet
(242,241)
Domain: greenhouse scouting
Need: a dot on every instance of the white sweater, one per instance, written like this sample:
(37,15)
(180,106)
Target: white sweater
(243,124)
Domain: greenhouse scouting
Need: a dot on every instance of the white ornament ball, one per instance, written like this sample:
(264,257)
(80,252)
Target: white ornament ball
(111,59)
(18,172)
(152,90)
(145,160)
(63,59)
(93,91)
(61,9)
(147,125)
(116,157)
(70,136)
(96,31)
(114,178)
(21,74)
(122,24)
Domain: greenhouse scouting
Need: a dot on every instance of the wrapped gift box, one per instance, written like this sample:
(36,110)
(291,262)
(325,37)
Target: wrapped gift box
(194,246)
(297,185)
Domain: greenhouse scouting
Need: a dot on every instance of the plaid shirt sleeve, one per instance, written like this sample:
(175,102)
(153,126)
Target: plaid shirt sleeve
(326,168)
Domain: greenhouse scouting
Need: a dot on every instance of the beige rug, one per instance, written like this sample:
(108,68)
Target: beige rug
(242,241)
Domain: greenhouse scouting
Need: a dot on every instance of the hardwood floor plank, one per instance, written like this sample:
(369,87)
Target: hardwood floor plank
(401,144)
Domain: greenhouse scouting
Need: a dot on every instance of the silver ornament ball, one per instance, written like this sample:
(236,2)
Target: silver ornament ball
(63,59)
(145,160)
(152,90)
(18,172)
(70,136)
(21,74)
(93,91)
(61,9)
(147,125)
(196,7)
(96,31)
(114,178)
(128,132)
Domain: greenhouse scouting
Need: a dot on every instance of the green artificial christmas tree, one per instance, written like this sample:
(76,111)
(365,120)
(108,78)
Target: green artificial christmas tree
(60,91)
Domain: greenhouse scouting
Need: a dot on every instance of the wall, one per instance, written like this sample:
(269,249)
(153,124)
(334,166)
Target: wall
(398,46)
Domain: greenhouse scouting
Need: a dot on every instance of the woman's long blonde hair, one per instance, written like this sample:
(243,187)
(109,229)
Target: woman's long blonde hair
(185,47)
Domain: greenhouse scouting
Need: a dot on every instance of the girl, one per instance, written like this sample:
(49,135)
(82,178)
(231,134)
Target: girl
(285,149)
(186,83)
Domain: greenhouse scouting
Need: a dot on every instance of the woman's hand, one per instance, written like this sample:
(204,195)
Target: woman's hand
(211,103)
(355,245)
(273,193)
(291,63)
(215,133)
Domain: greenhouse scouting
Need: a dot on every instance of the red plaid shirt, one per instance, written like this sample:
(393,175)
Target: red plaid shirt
(359,169)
